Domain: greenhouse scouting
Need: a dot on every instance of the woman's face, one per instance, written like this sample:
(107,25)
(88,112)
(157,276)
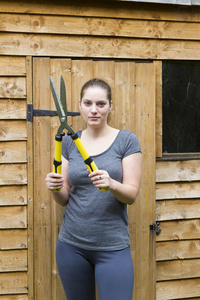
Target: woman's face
(95,106)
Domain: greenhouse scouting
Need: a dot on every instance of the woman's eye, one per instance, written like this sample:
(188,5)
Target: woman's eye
(101,104)
(87,103)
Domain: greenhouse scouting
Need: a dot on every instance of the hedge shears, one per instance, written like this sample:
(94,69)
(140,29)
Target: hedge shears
(61,107)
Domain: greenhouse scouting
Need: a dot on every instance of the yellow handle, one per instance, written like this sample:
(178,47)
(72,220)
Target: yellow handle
(87,159)
(57,163)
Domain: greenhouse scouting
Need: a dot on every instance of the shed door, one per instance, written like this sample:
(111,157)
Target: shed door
(133,86)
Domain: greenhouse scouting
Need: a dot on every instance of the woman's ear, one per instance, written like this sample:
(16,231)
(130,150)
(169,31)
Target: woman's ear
(111,106)
(79,102)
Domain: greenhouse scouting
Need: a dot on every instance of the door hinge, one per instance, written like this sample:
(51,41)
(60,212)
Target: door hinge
(44,113)
(156,227)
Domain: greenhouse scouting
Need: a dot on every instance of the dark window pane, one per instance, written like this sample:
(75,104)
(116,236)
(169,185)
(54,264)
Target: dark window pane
(181,106)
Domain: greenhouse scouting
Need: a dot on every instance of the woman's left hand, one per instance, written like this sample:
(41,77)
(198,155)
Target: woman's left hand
(101,179)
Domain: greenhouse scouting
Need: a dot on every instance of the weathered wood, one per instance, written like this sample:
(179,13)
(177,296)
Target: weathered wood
(13,109)
(82,71)
(42,164)
(13,217)
(88,46)
(13,174)
(58,67)
(124,102)
(12,66)
(179,230)
(76,25)
(13,239)
(106,9)
(14,297)
(13,260)
(177,250)
(178,289)
(182,269)
(171,171)
(178,209)
(12,285)
(13,130)
(13,152)
(177,190)
(13,87)
(158,87)
(13,195)
(145,203)
(30,188)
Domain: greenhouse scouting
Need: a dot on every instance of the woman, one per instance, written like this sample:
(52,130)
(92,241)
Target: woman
(93,244)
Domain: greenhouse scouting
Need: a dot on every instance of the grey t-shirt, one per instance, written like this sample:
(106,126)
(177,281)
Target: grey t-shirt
(94,219)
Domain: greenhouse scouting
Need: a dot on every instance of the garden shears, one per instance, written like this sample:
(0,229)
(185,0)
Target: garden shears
(61,107)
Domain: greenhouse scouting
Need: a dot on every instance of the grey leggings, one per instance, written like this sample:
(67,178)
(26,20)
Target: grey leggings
(79,269)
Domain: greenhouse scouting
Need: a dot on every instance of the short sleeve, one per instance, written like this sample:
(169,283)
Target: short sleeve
(132,145)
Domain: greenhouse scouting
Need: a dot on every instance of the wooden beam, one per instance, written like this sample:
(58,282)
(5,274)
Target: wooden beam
(88,46)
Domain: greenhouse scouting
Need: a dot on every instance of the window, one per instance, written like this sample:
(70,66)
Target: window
(181,106)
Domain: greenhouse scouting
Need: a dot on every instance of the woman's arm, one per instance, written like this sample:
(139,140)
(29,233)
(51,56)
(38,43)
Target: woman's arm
(127,191)
(56,181)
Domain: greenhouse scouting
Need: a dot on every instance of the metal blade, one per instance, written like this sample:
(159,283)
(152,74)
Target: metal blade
(56,98)
(59,107)
(63,94)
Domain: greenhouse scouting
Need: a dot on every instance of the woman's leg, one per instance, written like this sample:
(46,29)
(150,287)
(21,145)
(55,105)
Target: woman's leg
(76,272)
(115,275)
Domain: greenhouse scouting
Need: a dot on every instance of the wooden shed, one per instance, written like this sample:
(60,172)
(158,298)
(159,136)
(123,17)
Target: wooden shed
(127,43)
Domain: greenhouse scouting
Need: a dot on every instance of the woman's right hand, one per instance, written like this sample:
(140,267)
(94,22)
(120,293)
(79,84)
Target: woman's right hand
(54,181)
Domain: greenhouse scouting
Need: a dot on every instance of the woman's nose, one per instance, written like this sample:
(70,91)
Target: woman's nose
(94,108)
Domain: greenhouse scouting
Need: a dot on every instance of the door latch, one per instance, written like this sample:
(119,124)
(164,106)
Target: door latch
(156,227)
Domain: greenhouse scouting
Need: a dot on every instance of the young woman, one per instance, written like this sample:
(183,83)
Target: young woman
(93,244)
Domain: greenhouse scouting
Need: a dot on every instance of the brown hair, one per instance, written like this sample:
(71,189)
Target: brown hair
(96,83)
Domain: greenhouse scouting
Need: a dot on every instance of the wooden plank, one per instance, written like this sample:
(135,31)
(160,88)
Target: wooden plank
(177,190)
(13,195)
(13,283)
(13,239)
(124,107)
(13,217)
(145,203)
(178,289)
(82,71)
(171,171)
(41,142)
(14,297)
(30,178)
(12,65)
(12,109)
(105,70)
(105,9)
(13,174)
(177,209)
(181,269)
(13,87)
(13,261)
(76,25)
(179,230)
(101,47)
(173,250)
(13,130)
(158,83)
(58,67)
(13,152)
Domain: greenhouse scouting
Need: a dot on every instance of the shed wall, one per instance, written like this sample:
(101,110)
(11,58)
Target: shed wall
(110,30)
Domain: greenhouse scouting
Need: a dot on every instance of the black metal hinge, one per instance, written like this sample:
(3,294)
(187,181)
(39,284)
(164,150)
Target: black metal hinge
(156,227)
(44,113)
